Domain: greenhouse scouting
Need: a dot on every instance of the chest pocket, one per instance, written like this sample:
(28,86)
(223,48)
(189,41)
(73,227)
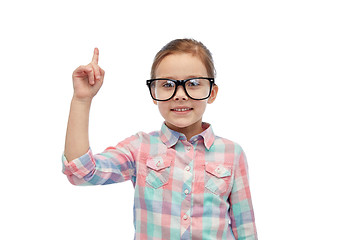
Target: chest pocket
(158,171)
(217,177)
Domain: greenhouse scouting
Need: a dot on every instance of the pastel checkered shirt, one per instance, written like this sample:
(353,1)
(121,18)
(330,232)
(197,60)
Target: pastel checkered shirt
(196,189)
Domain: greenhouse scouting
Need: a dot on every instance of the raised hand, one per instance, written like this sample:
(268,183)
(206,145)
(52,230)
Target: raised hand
(88,79)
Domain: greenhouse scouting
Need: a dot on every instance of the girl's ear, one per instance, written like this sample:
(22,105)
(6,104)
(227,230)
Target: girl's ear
(213,94)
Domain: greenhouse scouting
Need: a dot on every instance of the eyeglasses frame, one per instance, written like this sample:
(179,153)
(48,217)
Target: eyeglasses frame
(180,83)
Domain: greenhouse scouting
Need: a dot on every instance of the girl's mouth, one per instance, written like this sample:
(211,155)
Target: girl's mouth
(181,109)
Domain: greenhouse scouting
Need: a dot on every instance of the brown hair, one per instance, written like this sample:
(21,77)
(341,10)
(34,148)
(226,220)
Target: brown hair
(186,45)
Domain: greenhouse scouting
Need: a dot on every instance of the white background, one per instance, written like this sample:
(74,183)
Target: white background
(288,76)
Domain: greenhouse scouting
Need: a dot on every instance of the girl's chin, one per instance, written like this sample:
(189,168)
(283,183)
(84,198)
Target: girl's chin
(177,125)
(180,124)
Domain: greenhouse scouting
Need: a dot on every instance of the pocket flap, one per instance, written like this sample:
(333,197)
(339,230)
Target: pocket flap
(157,163)
(218,170)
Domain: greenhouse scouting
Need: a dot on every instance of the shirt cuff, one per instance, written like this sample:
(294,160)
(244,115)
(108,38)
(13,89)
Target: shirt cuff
(79,167)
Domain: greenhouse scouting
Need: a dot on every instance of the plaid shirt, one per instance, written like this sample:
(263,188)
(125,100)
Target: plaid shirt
(196,189)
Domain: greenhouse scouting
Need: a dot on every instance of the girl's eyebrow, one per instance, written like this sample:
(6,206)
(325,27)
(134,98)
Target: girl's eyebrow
(187,77)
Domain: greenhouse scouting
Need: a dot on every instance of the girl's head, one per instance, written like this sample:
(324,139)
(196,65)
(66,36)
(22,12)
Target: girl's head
(191,46)
(189,60)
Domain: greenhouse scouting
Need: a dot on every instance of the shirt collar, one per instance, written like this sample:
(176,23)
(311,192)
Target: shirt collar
(170,137)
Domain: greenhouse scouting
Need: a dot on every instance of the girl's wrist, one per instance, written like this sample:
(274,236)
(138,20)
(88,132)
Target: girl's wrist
(86,101)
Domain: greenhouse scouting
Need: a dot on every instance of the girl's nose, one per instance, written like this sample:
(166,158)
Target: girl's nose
(180,94)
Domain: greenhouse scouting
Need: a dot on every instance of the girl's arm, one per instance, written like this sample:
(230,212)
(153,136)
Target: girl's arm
(87,80)
(241,209)
(114,164)
(82,167)
(77,134)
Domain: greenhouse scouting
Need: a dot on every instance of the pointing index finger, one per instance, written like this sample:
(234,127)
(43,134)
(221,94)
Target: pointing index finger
(95,58)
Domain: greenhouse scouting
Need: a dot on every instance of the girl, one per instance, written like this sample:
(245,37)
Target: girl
(189,183)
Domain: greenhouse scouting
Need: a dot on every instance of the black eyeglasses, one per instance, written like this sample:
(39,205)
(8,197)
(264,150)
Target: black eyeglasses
(163,89)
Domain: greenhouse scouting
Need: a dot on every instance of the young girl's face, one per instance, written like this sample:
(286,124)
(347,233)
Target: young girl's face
(182,66)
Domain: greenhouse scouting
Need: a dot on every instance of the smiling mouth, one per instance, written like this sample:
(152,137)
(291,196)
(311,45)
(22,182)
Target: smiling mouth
(181,109)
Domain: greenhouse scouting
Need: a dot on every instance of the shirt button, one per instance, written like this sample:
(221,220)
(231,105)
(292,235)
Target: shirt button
(158,164)
(185,217)
(187,168)
(186,191)
(188,148)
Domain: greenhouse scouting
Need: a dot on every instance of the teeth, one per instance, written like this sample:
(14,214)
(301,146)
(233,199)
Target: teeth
(181,109)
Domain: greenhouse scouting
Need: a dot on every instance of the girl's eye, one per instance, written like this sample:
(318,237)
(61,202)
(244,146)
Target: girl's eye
(193,83)
(168,84)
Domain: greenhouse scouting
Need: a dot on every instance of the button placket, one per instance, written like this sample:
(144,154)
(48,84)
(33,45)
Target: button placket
(186,221)
(189,155)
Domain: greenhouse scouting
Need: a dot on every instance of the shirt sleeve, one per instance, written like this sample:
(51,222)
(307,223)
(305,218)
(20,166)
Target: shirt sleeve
(241,209)
(114,164)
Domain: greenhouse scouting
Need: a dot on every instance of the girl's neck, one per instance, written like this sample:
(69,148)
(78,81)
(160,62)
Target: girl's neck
(188,131)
